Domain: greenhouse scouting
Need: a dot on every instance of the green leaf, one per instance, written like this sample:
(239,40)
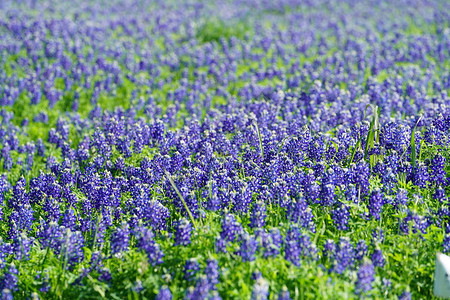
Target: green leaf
(413,144)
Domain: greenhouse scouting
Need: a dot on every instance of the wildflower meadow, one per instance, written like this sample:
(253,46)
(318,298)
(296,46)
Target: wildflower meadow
(226,149)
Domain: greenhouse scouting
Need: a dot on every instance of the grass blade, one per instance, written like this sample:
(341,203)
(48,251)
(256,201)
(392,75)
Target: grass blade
(181,197)
(413,144)
(368,140)
(282,144)
(260,140)
(358,143)
(373,134)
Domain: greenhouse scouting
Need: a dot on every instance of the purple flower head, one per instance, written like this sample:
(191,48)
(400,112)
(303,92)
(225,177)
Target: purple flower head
(377,258)
(146,242)
(378,235)
(344,256)
(248,247)
(270,242)
(105,275)
(21,247)
(421,176)
(375,204)
(10,279)
(329,248)
(405,296)
(401,198)
(299,212)
(191,268)
(284,294)
(7,295)
(72,248)
(260,289)
(341,216)
(51,235)
(212,272)
(183,232)
(164,294)
(258,216)
(361,250)
(69,219)
(231,229)
(437,170)
(201,290)
(365,279)
(298,245)
(120,239)
(5,250)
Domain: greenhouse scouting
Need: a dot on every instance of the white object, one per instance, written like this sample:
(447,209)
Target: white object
(442,276)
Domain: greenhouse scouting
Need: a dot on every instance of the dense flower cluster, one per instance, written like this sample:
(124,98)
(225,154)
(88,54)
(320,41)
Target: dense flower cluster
(236,149)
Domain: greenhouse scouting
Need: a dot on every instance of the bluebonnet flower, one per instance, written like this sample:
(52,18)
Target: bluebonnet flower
(298,245)
(191,268)
(10,279)
(378,235)
(299,212)
(69,219)
(51,207)
(271,242)
(72,248)
(105,275)
(377,258)
(260,290)
(341,215)
(120,239)
(7,294)
(375,204)
(360,176)
(284,294)
(212,272)
(51,235)
(231,229)
(20,196)
(21,247)
(248,247)
(361,250)
(151,211)
(310,120)
(258,216)
(329,248)
(401,198)
(405,296)
(146,242)
(201,290)
(164,294)
(183,232)
(440,195)
(437,168)
(21,219)
(4,187)
(365,280)
(137,287)
(421,176)
(256,275)
(344,256)
(327,194)
(5,250)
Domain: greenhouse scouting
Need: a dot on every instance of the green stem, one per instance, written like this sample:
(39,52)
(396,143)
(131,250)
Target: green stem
(260,140)
(181,197)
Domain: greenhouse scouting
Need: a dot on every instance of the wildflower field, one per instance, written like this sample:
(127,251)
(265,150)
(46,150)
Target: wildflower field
(228,149)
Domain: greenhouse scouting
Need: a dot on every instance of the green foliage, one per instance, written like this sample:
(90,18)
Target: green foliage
(214,29)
